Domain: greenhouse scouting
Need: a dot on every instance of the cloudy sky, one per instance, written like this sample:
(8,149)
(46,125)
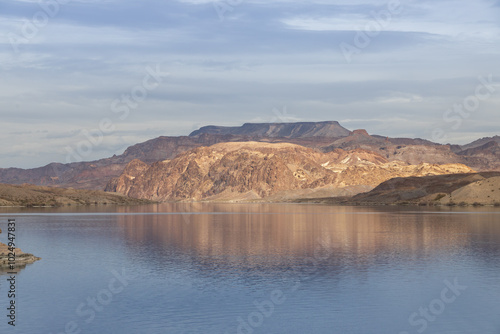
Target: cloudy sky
(124,71)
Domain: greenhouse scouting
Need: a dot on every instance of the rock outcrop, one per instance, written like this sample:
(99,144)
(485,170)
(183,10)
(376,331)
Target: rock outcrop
(21,259)
(254,170)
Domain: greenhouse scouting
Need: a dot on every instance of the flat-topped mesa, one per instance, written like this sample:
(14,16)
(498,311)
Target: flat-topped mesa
(21,259)
(331,129)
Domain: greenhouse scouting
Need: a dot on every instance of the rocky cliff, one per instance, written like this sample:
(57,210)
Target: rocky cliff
(481,155)
(254,170)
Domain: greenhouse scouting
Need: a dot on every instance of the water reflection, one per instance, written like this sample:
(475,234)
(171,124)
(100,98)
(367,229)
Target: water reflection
(276,235)
(201,266)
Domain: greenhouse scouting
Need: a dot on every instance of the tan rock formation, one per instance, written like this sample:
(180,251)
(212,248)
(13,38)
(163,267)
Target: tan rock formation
(21,259)
(255,170)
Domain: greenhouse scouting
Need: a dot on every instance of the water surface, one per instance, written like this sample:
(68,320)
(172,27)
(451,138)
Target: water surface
(220,268)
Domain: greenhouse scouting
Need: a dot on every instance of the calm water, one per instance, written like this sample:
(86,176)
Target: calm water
(202,268)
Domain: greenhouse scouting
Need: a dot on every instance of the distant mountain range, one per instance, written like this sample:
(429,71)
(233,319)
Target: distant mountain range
(319,137)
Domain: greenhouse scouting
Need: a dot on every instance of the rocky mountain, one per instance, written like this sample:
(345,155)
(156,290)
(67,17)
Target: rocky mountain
(94,175)
(328,129)
(481,142)
(455,189)
(488,154)
(326,137)
(255,170)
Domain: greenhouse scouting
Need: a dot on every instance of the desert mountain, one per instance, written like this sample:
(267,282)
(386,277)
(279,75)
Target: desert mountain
(481,142)
(255,170)
(482,155)
(456,189)
(278,130)
(94,175)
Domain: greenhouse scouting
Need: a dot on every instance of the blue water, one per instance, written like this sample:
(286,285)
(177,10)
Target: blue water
(214,268)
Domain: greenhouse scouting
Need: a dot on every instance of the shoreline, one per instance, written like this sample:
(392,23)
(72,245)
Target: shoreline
(21,260)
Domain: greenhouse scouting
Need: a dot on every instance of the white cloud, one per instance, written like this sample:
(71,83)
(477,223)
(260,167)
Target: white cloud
(459,19)
(266,55)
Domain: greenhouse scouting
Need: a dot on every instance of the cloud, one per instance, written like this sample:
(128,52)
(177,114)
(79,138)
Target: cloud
(264,55)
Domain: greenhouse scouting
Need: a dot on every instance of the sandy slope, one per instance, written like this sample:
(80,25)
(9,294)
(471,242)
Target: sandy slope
(29,195)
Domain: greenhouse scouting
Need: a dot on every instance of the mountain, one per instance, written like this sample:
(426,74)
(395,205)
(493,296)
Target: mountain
(94,175)
(329,129)
(326,137)
(481,142)
(255,170)
(454,189)
(486,150)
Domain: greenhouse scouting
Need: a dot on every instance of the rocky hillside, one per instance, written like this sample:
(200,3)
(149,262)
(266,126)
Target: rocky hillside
(253,170)
(481,142)
(30,195)
(481,155)
(416,151)
(453,189)
(95,174)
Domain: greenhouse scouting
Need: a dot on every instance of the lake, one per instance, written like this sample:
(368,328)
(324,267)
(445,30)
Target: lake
(255,268)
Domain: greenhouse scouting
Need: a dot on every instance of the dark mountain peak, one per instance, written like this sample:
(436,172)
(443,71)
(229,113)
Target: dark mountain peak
(490,148)
(330,129)
(481,142)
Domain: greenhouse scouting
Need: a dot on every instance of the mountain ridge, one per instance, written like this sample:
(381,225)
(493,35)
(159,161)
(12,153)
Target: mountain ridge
(283,130)
(256,170)
(436,190)
(95,175)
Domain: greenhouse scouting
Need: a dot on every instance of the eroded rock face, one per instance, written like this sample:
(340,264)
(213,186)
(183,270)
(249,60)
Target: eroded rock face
(481,155)
(251,170)
(134,169)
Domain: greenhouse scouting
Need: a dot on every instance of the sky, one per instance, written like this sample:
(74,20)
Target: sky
(84,79)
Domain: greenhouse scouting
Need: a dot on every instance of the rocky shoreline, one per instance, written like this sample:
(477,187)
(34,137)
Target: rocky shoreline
(21,260)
